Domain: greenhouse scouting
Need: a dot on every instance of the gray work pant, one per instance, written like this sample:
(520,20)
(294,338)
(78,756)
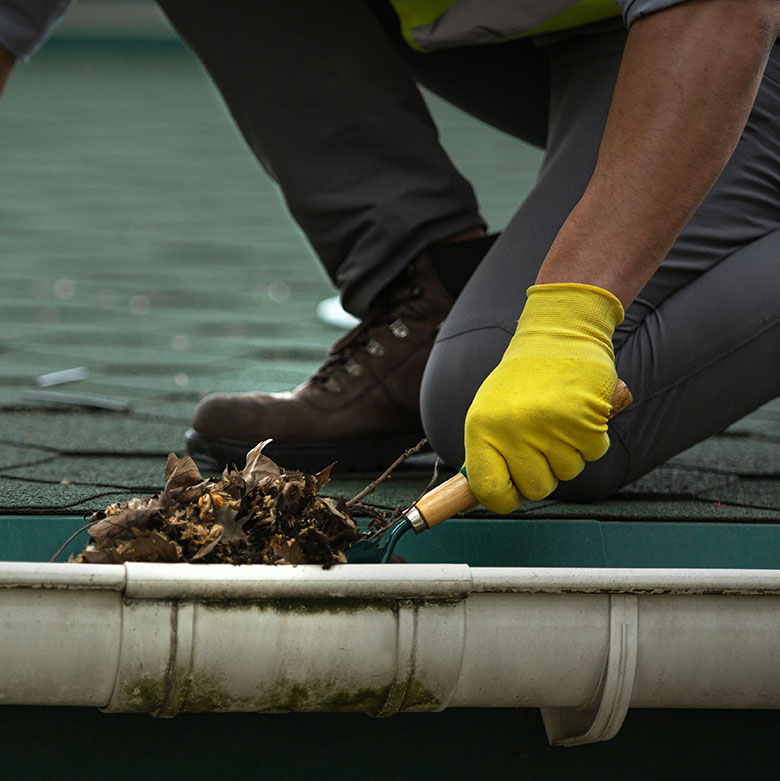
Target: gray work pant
(325,95)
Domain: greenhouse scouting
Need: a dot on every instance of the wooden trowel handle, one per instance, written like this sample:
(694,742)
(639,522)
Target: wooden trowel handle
(454,496)
(621,398)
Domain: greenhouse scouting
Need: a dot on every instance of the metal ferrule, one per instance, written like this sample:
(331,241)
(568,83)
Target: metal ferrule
(415,518)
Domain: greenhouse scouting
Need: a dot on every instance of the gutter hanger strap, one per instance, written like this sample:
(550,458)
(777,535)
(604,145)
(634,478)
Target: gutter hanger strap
(564,726)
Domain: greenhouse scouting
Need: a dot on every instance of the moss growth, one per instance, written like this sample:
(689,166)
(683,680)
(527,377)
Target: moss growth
(290,697)
(204,694)
(177,691)
(148,694)
(145,694)
(308,606)
(420,698)
(201,694)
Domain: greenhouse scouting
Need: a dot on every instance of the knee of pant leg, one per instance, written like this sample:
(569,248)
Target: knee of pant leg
(456,368)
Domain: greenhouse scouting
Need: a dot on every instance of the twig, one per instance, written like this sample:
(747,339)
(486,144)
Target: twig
(371,487)
(431,482)
(399,513)
(70,539)
(373,511)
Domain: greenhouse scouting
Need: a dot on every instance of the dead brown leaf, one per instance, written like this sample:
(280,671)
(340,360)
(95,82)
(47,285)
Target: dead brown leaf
(120,525)
(258,467)
(206,549)
(182,479)
(232,529)
(147,546)
(323,478)
(291,552)
(92,556)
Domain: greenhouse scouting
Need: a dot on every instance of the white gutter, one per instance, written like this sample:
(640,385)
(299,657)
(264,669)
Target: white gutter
(581,644)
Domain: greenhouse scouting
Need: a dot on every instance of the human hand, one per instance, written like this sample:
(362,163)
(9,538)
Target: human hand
(542,413)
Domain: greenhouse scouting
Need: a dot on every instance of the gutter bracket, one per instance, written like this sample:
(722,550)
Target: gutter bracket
(574,727)
(406,641)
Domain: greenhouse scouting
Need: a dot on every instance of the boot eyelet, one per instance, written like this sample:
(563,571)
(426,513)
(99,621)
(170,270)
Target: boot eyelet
(353,368)
(399,329)
(331,385)
(374,349)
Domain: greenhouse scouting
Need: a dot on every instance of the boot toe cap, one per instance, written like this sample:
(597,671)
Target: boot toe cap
(242,417)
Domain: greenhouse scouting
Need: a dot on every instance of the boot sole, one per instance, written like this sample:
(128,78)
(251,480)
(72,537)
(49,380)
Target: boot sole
(367,456)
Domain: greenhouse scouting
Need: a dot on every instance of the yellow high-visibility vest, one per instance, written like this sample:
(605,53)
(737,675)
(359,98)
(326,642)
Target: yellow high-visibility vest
(428,25)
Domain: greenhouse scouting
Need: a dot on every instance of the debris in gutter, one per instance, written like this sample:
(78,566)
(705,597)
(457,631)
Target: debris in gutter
(260,514)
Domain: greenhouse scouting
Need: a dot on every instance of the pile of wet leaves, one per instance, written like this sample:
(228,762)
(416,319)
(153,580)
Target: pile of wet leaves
(260,514)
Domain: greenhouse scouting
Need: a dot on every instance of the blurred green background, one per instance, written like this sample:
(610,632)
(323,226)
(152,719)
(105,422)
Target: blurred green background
(142,240)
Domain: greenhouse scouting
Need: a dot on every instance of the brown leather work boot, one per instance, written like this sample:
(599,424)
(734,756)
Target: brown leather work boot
(360,408)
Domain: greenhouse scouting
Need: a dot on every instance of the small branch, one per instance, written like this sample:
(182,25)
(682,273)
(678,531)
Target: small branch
(431,482)
(70,539)
(399,513)
(371,487)
(373,511)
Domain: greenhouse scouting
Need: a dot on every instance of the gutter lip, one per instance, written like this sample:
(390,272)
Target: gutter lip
(306,581)
(138,580)
(624,580)
(82,577)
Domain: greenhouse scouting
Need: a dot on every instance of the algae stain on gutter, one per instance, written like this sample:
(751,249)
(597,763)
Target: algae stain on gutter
(146,694)
(149,694)
(333,606)
(420,698)
(287,696)
(322,697)
(205,694)
(179,690)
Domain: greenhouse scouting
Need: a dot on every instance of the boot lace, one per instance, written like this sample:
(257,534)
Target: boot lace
(362,340)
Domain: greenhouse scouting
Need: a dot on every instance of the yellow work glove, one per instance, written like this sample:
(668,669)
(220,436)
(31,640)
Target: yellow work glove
(542,412)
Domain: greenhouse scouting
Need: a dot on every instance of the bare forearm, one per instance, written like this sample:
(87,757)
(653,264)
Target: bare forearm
(6,66)
(687,82)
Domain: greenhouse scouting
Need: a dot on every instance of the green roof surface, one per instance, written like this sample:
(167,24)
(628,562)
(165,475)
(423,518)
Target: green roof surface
(142,241)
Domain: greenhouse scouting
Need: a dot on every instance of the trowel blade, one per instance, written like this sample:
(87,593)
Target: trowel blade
(364,552)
